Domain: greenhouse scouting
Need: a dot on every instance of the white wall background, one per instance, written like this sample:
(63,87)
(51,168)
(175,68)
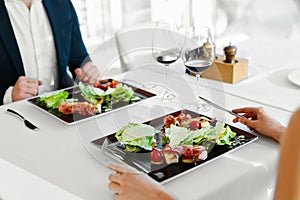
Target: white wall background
(236,19)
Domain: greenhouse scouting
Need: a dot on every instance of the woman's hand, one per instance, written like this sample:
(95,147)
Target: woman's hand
(131,184)
(258,120)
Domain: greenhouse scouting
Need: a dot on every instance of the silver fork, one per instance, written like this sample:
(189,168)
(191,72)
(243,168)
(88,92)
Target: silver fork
(26,122)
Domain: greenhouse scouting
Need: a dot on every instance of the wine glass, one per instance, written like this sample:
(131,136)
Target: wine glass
(166,48)
(109,155)
(198,55)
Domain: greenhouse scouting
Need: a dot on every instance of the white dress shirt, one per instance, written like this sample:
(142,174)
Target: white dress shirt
(36,44)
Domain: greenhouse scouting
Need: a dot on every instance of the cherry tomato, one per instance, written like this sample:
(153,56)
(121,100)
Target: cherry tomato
(195,125)
(156,156)
(102,87)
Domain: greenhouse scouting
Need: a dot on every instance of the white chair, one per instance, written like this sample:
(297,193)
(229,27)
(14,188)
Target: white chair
(135,48)
(126,50)
(106,57)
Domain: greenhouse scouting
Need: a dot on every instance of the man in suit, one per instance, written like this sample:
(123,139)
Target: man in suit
(39,41)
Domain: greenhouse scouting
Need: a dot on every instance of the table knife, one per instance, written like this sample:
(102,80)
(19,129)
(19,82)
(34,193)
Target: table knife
(220,107)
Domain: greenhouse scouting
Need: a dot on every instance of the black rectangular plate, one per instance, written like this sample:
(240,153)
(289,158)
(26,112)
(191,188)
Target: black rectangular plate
(76,93)
(161,173)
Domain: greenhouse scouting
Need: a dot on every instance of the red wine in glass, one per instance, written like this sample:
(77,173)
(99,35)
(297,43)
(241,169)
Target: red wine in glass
(167,58)
(197,66)
(198,55)
(166,49)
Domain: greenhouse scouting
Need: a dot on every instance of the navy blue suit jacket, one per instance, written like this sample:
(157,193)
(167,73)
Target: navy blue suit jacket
(70,49)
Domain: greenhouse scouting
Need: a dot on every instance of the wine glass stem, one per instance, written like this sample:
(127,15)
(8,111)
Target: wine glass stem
(166,72)
(198,83)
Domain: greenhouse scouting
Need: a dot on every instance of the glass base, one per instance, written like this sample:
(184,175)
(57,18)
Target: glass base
(201,106)
(168,96)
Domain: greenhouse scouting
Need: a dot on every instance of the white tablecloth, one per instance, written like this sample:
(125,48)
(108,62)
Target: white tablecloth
(58,161)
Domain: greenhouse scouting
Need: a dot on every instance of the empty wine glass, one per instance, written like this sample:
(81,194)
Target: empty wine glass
(166,47)
(198,55)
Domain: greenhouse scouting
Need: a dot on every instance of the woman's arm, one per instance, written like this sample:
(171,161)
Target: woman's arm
(288,180)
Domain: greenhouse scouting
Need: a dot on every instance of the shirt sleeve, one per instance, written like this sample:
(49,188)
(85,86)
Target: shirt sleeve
(7,96)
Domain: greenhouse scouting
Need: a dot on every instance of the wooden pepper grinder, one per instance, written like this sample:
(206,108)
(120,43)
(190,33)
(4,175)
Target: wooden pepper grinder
(230,52)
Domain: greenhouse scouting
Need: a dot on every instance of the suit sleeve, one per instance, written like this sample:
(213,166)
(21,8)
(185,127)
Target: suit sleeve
(2,93)
(78,54)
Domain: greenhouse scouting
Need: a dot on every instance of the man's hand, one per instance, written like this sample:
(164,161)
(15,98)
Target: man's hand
(88,73)
(25,88)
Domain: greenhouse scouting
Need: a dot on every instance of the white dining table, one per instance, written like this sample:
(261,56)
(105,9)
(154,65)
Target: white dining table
(59,162)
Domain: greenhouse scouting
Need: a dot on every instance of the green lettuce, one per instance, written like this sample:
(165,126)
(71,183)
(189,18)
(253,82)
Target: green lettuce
(91,93)
(110,96)
(136,136)
(121,93)
(54,100)
(226,138)
(219,134)
(177,134)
